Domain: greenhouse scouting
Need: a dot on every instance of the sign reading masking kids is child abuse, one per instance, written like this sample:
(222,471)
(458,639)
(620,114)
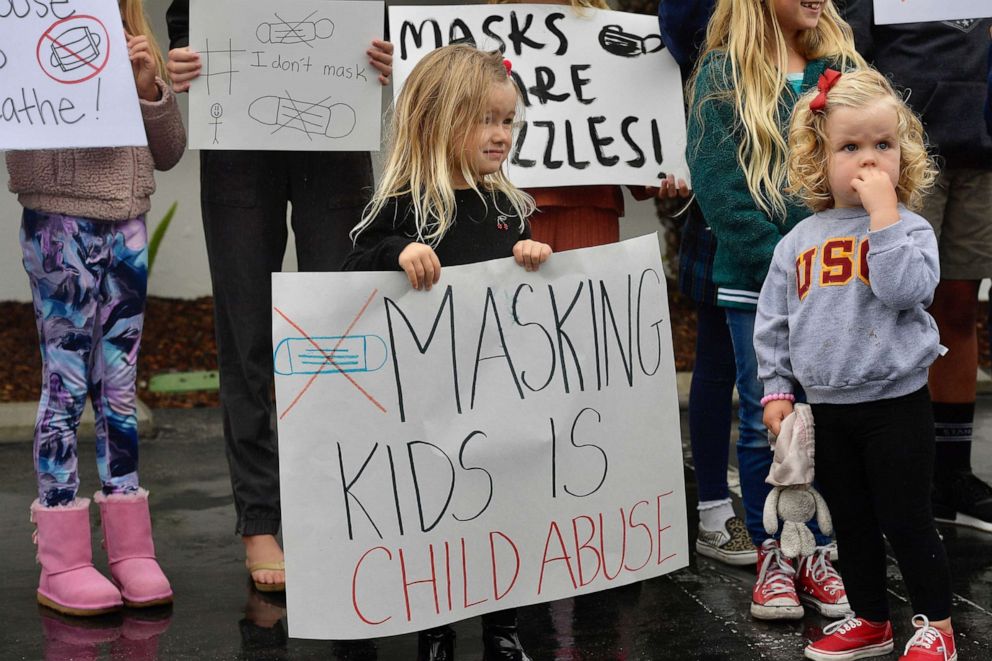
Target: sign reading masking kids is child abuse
(65,78)
(602,97)
(506,438)
(290,75)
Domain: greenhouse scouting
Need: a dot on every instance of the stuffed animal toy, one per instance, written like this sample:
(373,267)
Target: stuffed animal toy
(793,498)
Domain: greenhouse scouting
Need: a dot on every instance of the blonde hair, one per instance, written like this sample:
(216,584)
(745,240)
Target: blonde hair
(809,142)
(136,25)
(748,34)
(433,123)
(578,4)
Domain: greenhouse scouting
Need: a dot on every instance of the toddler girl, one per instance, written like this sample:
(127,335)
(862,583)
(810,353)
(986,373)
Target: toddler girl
(842,315)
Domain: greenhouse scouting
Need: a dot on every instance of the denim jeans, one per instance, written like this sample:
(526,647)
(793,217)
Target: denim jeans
(710,397)
(754,455)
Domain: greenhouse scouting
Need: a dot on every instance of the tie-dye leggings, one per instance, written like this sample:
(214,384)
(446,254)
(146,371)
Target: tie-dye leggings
(88,282)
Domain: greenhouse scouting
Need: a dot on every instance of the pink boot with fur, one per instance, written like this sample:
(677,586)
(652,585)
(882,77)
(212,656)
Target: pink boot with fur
(69,582)
(127,536)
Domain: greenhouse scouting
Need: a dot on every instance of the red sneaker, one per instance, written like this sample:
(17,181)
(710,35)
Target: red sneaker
(929,643)
(820,586)
(774,595)
(853,638)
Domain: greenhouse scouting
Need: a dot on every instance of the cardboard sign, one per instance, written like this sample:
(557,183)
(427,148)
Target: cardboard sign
(602,96)
(289,76)
(65,77)
(507,438)
(922,11)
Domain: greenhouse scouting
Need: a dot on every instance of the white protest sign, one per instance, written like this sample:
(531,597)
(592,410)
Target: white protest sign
(602,96)
(290,76)
(507,438)
(922,11)
(65,77)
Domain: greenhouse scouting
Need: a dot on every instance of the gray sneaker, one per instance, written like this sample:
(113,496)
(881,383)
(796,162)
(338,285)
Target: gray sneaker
(731,546)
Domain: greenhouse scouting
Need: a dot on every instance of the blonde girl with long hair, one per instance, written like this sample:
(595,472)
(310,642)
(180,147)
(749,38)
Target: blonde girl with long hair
(569,217)
(444,198)
(758,57)
(85,250)
(843,316)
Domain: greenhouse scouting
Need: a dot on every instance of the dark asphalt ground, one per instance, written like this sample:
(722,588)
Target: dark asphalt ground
(697,613)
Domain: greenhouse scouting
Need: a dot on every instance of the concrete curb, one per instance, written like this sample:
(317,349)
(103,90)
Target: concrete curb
(17,421)
(17,418)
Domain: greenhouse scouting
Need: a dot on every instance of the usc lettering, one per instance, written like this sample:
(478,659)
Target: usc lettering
(840,260)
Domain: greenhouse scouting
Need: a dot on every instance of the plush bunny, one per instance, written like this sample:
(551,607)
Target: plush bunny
(796,505)
(793,498)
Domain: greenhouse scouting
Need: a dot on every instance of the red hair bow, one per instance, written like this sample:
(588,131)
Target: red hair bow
(509,67)
(827,80)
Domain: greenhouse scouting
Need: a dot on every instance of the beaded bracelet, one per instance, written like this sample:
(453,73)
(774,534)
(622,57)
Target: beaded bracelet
(786,396)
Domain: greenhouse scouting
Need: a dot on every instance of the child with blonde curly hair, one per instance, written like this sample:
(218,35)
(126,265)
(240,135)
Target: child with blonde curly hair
(842,317)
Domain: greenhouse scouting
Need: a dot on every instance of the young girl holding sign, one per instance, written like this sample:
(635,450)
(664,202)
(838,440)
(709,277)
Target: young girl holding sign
(759,56)
(843,315)
(86,255)
(444,199)
(569,217)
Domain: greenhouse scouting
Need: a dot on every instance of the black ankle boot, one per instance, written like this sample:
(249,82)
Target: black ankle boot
(501,643)
(436,644)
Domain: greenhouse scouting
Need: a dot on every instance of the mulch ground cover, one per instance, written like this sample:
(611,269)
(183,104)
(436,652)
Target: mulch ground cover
(179,337)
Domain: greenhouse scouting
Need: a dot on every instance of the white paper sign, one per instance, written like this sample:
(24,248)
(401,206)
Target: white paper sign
(290,76)
(507,438)
(65,78)
(602,96)
(922,11)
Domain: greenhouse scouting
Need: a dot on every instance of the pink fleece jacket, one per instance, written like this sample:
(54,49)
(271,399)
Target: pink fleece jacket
(103,183)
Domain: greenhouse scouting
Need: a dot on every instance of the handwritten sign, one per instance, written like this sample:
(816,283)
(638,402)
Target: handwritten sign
(507,438)
(65,78)
(922,11)
(290,76)
(602,97)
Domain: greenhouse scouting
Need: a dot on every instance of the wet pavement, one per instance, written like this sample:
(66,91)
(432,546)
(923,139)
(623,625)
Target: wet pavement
(700,612)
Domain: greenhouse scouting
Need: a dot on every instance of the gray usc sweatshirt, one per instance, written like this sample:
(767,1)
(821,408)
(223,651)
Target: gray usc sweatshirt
(842,312)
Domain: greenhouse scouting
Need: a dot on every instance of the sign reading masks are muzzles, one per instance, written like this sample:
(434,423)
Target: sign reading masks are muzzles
(601,96)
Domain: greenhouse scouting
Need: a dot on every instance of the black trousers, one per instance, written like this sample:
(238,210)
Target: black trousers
(244,197)
(874,465)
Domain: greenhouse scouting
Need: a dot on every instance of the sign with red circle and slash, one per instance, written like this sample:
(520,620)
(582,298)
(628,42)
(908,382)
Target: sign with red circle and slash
(74,49)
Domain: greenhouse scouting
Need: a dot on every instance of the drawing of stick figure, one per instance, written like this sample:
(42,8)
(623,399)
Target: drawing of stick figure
(216,111)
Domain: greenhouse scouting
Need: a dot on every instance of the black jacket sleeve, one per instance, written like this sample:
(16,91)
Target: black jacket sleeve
(177,18)
(378,246)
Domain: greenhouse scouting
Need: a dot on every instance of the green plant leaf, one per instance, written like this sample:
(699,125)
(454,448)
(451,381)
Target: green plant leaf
(159,234)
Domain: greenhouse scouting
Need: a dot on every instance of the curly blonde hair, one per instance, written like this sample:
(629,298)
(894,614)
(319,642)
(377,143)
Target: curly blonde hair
(748,34)
(441,103)
(808,141)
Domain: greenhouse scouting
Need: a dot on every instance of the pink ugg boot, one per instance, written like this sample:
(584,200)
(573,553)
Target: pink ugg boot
(127,536)
(69,582)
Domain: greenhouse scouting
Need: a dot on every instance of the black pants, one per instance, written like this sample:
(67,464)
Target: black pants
(244,197)
(874,465)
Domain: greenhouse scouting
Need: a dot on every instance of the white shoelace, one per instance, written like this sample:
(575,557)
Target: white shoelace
(843,626)
(780,574)
(819,567)
(926,636)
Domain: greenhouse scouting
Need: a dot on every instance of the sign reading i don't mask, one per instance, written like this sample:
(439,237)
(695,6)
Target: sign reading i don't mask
(65,79)
(602,98)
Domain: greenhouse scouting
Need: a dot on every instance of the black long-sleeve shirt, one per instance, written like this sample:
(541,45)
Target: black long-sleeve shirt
(484,228)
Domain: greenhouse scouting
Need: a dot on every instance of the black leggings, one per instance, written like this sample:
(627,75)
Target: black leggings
(874,465)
